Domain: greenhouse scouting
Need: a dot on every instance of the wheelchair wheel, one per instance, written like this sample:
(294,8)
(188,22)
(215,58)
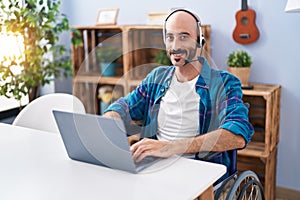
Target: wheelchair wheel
(246,186)
(225,185)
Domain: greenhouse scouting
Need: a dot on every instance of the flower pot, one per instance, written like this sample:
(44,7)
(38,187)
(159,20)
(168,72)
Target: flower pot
(107,69)
(242,73)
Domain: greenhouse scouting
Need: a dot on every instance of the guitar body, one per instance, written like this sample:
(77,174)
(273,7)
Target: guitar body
(246,30)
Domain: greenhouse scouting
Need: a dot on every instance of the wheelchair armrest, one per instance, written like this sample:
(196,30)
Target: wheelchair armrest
(232,156)
(205,155)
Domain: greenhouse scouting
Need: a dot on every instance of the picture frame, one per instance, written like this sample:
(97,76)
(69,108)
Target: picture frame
(107,16)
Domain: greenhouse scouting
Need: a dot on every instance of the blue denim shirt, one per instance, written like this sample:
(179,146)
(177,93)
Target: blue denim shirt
(220,104)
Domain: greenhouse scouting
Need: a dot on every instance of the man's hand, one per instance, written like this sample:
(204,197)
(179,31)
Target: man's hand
(133,139)
(150,147)
(112,114)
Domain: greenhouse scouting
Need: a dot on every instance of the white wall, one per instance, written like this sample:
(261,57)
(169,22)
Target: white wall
(276,55)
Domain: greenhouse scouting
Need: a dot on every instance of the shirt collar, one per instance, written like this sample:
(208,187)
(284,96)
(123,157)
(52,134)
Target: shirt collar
(203,80)
(205,75)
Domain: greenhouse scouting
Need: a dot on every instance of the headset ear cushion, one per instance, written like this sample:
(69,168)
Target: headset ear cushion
(198,43)
(202,41)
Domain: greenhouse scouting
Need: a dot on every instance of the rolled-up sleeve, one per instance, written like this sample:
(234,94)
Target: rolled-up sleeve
(235,112)
(133,106)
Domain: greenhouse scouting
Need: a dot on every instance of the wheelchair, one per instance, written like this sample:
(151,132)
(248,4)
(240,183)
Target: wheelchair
(238,186)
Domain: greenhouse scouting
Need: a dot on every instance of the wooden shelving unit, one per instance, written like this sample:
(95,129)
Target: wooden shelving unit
(261,154)
(138,44)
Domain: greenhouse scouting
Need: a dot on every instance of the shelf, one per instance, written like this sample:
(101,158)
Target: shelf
(260,89)
(99,80)
(254,149)
(134,83)
(264,113)
(139,44)
(261,153)
(264,167)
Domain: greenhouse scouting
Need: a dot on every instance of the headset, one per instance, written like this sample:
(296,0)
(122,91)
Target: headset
(200,38)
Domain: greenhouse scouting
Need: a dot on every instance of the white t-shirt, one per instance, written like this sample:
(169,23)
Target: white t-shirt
(178,116)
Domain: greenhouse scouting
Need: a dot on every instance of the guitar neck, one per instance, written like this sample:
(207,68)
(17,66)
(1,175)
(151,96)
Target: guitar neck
(244,5)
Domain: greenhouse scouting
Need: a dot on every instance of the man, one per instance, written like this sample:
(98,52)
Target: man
(187,108)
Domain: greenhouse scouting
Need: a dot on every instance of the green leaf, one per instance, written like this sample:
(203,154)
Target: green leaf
(239,59)
(40,22)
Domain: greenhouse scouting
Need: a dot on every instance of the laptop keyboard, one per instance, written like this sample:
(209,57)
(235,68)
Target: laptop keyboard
(146,162)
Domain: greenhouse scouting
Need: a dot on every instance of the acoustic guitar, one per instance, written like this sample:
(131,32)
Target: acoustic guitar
(245,31)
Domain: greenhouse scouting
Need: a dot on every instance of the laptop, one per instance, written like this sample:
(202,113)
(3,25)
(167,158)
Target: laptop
(98,140)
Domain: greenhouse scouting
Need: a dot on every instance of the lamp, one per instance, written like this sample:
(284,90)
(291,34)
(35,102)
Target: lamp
(292,6)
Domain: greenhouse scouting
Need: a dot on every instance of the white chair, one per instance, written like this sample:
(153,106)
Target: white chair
(38,113)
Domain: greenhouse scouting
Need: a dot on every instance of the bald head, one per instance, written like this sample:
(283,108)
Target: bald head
(182,21)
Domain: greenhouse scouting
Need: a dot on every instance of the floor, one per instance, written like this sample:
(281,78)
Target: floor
(287,194)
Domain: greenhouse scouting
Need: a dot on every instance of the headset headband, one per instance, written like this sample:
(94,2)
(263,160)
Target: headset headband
(184,10)
(200,38)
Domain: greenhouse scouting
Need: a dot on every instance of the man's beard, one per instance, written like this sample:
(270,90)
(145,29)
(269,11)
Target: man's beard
(189,53)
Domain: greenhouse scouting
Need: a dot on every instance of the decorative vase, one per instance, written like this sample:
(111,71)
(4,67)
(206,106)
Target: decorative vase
(242,73)
(108,69)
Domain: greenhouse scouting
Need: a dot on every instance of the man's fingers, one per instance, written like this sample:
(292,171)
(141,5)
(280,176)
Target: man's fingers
(138,144)
(149,147)
(140,150)
(141,157)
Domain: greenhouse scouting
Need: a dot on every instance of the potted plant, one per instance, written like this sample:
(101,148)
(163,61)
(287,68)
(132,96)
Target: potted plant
(39,23)
(162,58)
(106,56)
(108,94)
(239,63)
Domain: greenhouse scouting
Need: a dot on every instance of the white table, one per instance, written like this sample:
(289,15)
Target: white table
(34,166)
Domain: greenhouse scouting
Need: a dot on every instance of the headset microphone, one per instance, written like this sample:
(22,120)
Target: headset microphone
(200,59)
